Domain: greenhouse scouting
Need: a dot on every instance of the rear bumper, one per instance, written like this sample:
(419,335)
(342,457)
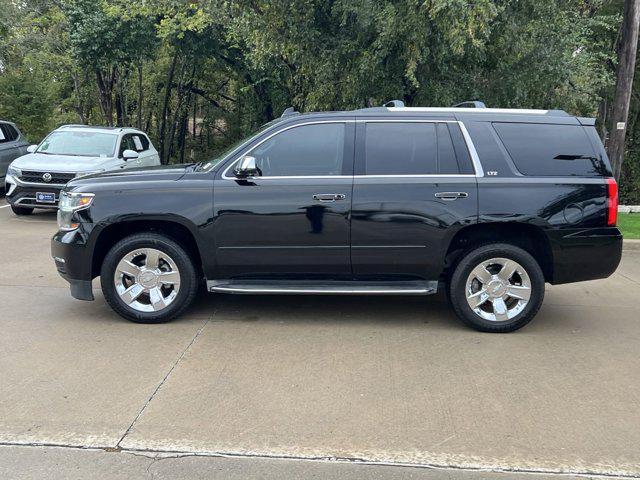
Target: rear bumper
(586,254)
(73,262)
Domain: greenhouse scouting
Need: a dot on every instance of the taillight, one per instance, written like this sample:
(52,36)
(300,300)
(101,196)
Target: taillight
(612,202)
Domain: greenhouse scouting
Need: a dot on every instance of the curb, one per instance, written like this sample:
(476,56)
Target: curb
(629,208)
(631,246)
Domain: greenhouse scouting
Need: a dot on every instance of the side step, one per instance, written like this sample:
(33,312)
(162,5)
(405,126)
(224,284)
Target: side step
(306,287)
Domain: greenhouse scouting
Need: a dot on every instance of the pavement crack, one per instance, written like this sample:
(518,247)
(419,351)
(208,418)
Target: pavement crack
(628,278)
(166,377)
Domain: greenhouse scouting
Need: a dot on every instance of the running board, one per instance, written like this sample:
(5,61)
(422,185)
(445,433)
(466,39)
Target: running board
(305,287)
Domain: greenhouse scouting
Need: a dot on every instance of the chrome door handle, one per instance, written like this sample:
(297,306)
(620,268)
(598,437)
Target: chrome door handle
(329,197)
(449,196)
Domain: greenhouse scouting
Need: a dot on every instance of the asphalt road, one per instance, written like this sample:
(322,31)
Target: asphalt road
(311,387)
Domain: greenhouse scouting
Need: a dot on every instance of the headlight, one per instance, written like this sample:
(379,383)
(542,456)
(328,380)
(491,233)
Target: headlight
(84,174)
(14,172)
(69,203)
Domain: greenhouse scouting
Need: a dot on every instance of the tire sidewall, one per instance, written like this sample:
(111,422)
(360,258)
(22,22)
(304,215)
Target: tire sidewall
(457,287)
(188,280)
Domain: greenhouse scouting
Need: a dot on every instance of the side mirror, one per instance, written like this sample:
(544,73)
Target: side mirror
(129,155)
(247,167)
(32,148)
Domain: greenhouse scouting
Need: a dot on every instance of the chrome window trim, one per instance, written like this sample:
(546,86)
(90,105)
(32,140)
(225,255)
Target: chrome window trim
(431,175)
(475,159)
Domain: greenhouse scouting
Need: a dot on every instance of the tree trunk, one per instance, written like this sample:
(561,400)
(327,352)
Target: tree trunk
(165,107)
(78,96)
(195,117)
(106,97)
(177,114)
(123,84)
(140,97)
(119,111)
(624,84)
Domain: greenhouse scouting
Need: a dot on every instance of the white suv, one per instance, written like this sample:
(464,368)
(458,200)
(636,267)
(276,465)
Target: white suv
(35,179)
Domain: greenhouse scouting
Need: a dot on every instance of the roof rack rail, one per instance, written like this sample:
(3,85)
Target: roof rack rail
(470,104)
(394,103)
(288,112)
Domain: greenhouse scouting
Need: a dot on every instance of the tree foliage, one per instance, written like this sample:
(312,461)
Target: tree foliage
(198,74)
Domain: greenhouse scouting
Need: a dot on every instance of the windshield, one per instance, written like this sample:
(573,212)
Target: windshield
(214,161)
(82,144)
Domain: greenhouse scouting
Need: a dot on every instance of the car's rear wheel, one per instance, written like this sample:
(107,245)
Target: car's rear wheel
(21,210)
(148,278)
(497,288)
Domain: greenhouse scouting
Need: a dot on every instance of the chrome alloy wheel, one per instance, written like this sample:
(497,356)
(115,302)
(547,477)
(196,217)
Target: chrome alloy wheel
(147,280)
(498,289)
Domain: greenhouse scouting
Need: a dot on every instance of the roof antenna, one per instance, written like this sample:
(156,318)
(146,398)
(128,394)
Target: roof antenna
(394,103)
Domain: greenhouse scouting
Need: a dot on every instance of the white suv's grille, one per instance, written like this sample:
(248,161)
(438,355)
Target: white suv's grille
(46,177)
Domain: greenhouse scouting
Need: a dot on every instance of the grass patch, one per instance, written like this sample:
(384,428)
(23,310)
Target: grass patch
(629,223)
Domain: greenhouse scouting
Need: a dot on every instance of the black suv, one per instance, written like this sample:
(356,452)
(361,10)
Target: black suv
(487,204)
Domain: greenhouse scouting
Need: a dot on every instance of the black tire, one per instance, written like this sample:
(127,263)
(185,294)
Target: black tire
(21,210)
(473,258)
(188,277)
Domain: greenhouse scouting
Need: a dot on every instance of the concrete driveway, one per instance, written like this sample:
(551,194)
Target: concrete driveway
(241,383)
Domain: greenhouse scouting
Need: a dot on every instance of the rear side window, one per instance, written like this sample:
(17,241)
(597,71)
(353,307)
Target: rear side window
(413,148)
(140,142)
(401,149)
(7,133)
(550,150)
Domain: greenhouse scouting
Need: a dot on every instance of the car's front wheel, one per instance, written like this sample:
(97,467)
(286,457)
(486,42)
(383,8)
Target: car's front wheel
(497,288)
(21,210)
(148,278)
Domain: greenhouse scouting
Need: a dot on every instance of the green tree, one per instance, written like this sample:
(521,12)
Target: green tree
(26,100)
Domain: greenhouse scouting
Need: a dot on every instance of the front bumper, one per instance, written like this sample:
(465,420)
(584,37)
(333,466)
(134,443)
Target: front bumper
(73,258)
(586,254)
(23,195)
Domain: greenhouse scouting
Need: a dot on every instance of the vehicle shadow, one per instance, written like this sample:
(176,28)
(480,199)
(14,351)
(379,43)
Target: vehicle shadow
(432,313)
(39,216)
(329,309)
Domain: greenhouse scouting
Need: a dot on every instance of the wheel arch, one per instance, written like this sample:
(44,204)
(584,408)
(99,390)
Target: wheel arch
(530,238)
(173,228)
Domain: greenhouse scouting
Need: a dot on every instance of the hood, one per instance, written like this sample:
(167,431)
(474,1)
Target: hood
(142,174)
(43,162)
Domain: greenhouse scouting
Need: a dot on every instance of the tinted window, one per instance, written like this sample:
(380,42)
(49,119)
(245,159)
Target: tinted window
(8,133)
(447,163)
(127,143)
(460,146)
(400,149)
(140,143)
(414,148)
(305,150)
(550,150)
